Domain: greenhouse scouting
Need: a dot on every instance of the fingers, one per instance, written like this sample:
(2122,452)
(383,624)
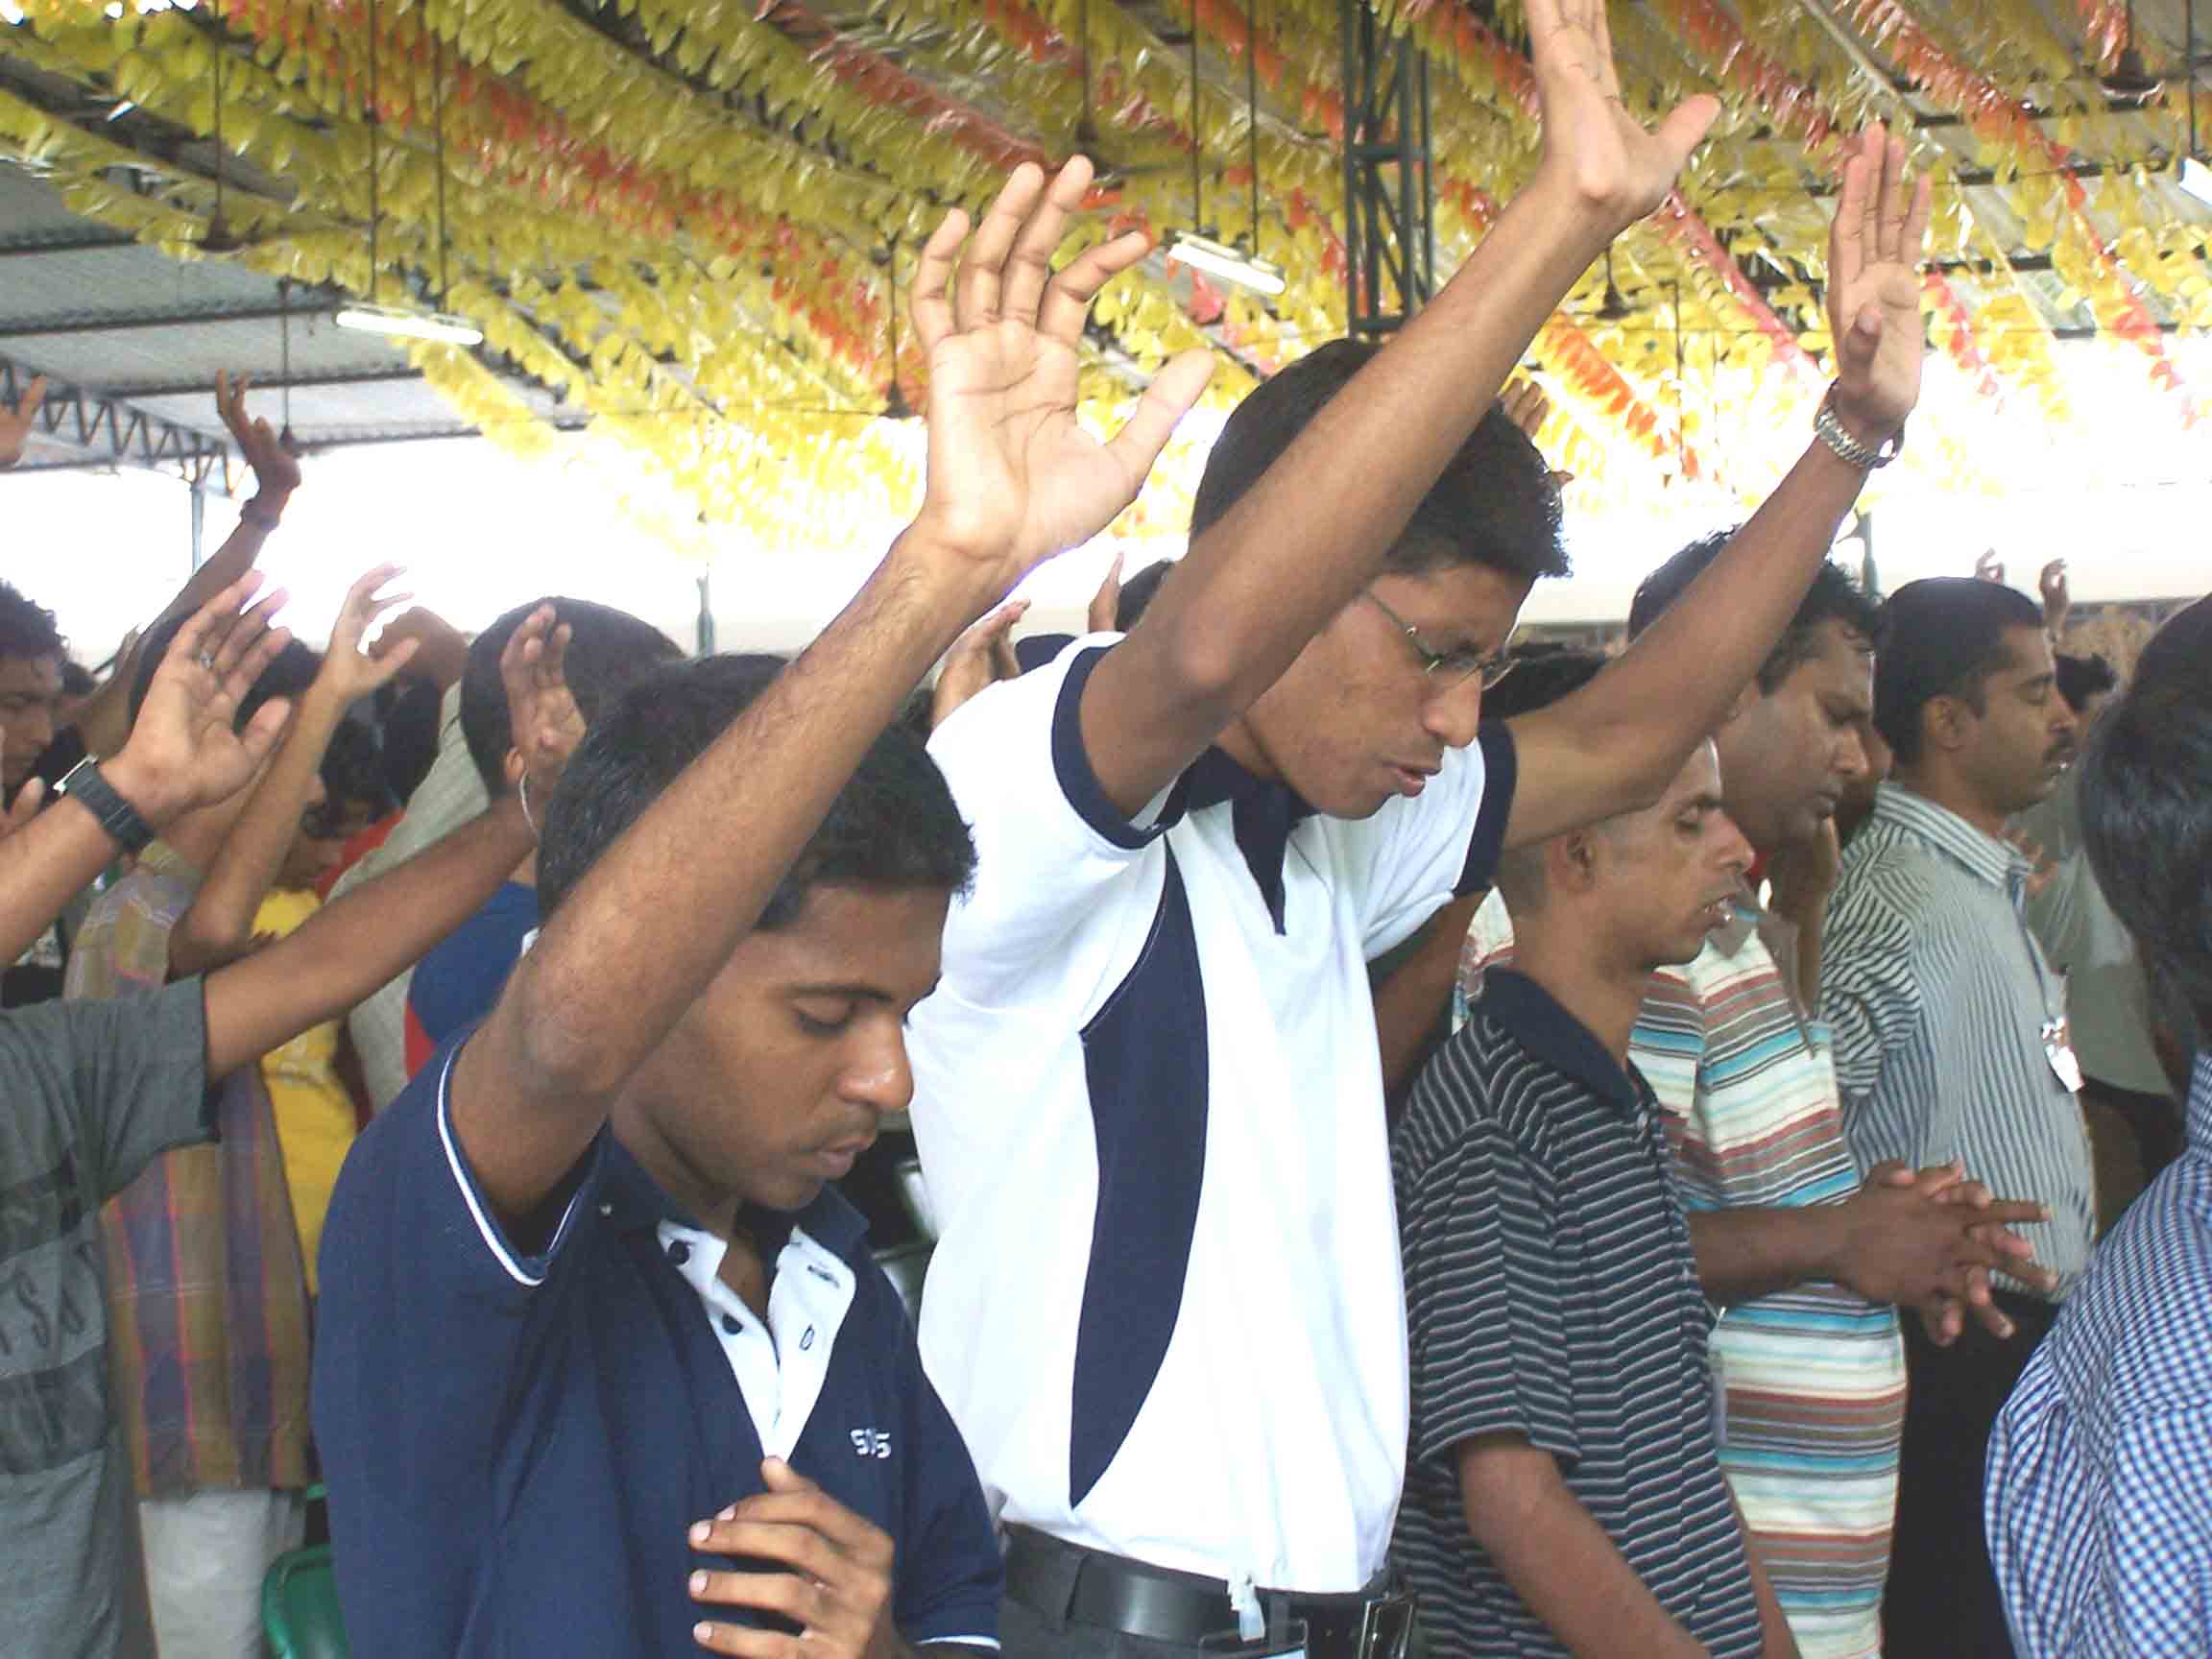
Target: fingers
(250,646)
(1068,296)
(932,304)
(982,273)
(1106,603)
(2010,1212)
(1892,1173)
(1030,269)
(749,1643)
(265,728)
(1889,217)
(1170,396)
(23,809)
(1848,244)
(362,602)
(1914,247)
(218,614)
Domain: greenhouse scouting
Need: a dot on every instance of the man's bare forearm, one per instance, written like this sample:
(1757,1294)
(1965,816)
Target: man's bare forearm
(1746,1253)
(220,920)
(1255,586)
(536,1083)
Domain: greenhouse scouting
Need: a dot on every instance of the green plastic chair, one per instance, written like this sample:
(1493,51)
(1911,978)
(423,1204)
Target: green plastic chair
(300,1606)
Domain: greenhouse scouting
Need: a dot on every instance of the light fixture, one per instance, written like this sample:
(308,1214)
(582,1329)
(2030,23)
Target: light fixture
(1202,253)
(2127,82)
(411,325)
(219,238)
(1220,260)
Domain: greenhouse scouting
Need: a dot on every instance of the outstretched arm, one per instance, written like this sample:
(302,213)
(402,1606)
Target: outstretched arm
(104,721)
(182,755)
(220,922)
(1258,585)
(1011,481)
(1612,746)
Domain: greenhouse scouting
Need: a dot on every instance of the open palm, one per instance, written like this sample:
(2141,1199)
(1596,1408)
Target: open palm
(185,742)
(1874,284)
(1591,141)
(1013,478)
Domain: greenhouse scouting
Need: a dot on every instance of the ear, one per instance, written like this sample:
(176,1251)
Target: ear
(513,768)
(1948,723)
(1572,862)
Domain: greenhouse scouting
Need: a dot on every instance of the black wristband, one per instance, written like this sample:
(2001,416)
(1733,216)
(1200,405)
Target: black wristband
(85,787)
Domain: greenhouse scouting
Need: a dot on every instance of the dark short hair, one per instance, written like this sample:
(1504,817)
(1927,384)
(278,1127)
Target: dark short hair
(354,770)
(2082,678)
(609,651)
(1941,637)
(1494,505)
(1544,676)
(894,824)
(289,675)
(2146,793)
(409,712)
(27,629)
(1832,598)
(77,680)
(1137,593)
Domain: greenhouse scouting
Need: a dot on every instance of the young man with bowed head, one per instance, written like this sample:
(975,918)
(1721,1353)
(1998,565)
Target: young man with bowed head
(603,1365)
(1952,1044)
(2100,1478)
(1165,1310)
(96,1090)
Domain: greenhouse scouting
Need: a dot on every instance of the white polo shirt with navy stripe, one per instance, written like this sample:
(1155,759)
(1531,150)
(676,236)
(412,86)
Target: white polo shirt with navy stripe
(518,1441)
(1166,1309)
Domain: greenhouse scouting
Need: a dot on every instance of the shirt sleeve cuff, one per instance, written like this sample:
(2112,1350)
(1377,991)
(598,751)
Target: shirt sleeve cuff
(527,1270)
(1079,783)
(1501,770)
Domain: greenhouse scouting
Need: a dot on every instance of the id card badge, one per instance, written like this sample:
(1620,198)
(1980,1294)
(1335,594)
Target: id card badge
(2059,1049)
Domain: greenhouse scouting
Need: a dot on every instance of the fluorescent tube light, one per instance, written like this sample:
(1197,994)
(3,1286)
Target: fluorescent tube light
(2194,177)
(1230,264)
(411,325)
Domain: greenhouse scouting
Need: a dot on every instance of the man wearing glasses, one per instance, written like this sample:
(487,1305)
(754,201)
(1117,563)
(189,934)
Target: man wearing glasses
(1166,1309)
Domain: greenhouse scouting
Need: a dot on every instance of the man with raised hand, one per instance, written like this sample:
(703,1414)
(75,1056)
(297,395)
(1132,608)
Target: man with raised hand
(91,1092)
(604,1366)
(1165,1311)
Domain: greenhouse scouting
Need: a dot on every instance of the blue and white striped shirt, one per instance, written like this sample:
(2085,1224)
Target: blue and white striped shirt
(1939,998)
(2099,1497)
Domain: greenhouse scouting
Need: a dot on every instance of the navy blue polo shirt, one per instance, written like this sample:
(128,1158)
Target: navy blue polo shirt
(516,1445)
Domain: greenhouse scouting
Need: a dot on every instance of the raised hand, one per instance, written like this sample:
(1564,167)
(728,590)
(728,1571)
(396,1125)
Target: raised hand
(1989,568)
(348,673)
(275,469)
(1874,252)
(1592,147)
(1013,478)
(440,649)
(541,710)
(2058,597)
(184,752)
(15,424)
(983,656)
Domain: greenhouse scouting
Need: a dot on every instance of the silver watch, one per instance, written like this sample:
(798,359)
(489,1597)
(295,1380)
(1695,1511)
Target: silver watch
(1866,457)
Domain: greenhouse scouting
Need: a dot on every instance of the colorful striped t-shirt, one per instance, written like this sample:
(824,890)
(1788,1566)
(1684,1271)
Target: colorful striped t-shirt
(1816,1376)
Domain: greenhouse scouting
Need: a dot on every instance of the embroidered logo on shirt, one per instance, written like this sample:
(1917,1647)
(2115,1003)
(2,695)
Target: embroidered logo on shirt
(872,1443)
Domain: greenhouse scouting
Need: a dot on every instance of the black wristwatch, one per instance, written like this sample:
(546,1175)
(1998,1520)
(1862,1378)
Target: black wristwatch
(85,785)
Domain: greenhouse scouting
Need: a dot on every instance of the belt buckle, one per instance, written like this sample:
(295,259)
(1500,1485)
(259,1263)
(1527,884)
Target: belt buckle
(1386,1627)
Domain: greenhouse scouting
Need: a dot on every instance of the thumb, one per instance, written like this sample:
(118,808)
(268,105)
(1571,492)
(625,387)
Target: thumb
(778,1475)
(1173,390)
(266,727)
(1685,129)
(1862,340)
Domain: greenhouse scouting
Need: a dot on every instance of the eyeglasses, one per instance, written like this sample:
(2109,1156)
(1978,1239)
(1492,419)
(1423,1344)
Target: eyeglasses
(1455,667)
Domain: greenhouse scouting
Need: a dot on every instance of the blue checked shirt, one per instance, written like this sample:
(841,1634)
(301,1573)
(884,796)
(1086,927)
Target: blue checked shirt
(2100,1493)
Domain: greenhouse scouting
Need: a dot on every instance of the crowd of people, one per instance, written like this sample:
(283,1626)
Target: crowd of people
(1433,1147)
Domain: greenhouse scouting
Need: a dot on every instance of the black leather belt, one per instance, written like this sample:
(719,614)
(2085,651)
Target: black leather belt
(1069,1584)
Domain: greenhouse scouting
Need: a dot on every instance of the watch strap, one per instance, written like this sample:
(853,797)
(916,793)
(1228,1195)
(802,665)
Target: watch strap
(1852,451)
(85,785)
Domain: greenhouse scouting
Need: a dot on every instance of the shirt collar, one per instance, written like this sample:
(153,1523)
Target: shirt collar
(1532,1017)
(1262,813)
(2200,1111)
(1984,856)
(635,1201)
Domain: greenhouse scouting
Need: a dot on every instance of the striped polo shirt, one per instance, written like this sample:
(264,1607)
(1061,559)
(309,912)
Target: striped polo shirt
(1940,997)
(1814,1375)
(1551,1294)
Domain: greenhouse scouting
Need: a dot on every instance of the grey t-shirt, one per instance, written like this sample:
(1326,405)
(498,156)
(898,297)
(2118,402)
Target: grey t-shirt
(91,1092)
